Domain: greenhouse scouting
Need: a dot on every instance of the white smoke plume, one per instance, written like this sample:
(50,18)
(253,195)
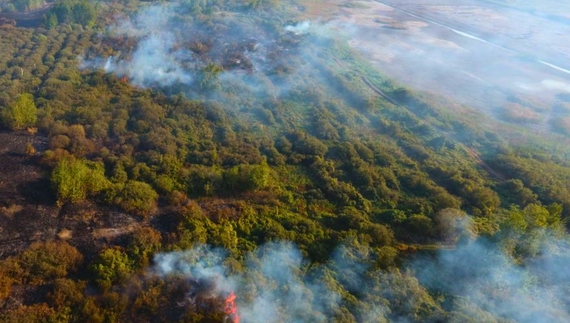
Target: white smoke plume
(300,28)
(154,62)
(172,49)
(278,285)
(272,288)
(479,273)
(161,57)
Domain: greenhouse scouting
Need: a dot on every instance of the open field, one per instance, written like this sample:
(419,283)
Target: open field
(487,54)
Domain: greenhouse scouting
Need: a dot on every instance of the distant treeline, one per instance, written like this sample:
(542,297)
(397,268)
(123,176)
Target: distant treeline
(80,12)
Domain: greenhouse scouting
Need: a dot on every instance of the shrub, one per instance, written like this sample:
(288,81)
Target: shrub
(45,261)
(20,114)
(75,179)
(247,177)
(136,197)
(112,266)
(516,113)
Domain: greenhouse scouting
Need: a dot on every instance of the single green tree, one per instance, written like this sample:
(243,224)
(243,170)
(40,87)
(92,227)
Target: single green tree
(136,197)
(112,267)
(22,113)
(76,179)
(84,13)
(51,21)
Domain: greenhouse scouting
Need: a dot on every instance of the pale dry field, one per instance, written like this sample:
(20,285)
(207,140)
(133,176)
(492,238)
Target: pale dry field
(476,52)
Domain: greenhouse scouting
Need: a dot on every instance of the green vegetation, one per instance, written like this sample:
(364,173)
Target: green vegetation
(20,114)
(306,151)
(43,262)
(28,5)
(74,180)
(112,267)
(134,197)
(80,12)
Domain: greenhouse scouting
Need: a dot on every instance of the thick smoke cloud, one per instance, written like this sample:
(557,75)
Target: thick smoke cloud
(272,288)
(486,54)
(479,273)
(278,285)
(162,47)
(155,61)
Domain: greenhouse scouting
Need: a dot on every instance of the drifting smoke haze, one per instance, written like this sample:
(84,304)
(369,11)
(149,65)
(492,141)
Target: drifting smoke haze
(485,54)
(482,275)
(278,285)
(271,288)
(154,61)
(172,52)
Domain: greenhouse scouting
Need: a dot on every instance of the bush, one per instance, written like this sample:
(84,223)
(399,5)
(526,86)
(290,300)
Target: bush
(30,314)
(247,177)
(136,197)
(112,266)
(5,284)
(42,262)
(20,114)
(144,243)
(74,180)
(516,113)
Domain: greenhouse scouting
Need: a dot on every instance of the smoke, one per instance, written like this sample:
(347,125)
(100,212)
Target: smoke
(561,86)
(476,279)
(154,61)
(202,263)
(163,47)
(484,54)
(498,58)
(274,287)
(299,28)
(480,274)
(172,49)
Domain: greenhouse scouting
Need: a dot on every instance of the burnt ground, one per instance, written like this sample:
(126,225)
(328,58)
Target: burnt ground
(28,212)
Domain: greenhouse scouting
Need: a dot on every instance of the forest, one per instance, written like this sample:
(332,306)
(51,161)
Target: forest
(221,161)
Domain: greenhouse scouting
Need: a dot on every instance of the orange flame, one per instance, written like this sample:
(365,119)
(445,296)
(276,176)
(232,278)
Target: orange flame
(124,79)
(230,308)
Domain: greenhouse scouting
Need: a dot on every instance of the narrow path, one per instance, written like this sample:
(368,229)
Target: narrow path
(475,155)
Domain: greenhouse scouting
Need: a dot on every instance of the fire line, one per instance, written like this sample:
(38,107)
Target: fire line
(230,309)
